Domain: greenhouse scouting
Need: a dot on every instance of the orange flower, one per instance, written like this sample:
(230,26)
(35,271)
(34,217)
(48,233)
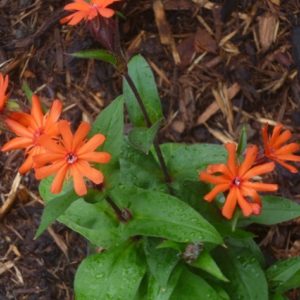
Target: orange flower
(236,178)
(30,128)
(275,149)
(87,11)
(71,157)
(3,89)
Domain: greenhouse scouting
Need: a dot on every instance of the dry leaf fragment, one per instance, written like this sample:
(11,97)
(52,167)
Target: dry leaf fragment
(205,42)
(6,266)
(178,4)
(165,33)
(276,2)
(267,28)
(186,50)
(221,96)
(233,90)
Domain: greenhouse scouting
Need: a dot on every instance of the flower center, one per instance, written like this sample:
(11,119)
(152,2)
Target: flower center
(71,158)
(237,181)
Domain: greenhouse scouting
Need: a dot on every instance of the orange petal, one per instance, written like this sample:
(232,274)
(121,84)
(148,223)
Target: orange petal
(284,137)
(104,3)
(258,170)
(256,208)
(76,18)
(218,168)
(92,144)
(93,13)
(289,167)
(251,193)
(17,143)
(275,134)
(79,185)
(244,204)
(289,157)
(44,172)
(3,88)
(261,187)
(54,113)
(99,157)
(45,158)
(66,19)
(203,176)
(250,157)
(106,12)
(27,165)
(80,134)
(65,131)
(264,132)
(287,149)
(91,173)
(52,146)
(18,129)
(215,191)
(22,118)
(36,111)
(230,204)
(231,161)
(58,181)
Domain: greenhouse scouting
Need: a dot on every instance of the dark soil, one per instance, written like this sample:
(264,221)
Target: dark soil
(245,53)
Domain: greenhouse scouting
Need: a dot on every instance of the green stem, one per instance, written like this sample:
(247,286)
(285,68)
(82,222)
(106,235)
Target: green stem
(149,125)
(123,214)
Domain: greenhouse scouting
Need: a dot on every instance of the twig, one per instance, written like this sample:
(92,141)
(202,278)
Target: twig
(11,196)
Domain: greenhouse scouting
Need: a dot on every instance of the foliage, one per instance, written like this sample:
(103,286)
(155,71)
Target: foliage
(159,240)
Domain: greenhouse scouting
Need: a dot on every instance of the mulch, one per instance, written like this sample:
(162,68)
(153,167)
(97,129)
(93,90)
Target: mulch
(219,66)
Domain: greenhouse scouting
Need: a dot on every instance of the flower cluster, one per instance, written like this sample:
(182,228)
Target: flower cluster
(49,145)
(82,10)
(237,178)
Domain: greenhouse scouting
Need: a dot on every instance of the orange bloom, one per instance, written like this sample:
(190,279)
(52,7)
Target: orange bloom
(71,157)
(87,10)
(235,178)
(275,149)
(30,128)
(3,89)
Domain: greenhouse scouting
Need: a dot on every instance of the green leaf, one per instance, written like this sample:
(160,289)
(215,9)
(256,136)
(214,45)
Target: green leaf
(184,161)
(142,76)
(161,262)
(157,292)
(101,54)
(54,209)
(114,274)
(249,244)
(158,214)
(96,222)
(140,170)
(247,279)
(142,138)
(45,189)
(275,210)
(191,286)
(13,105)
(243,141)
(284,274)
(27,90)
(110,122)
(206,262)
